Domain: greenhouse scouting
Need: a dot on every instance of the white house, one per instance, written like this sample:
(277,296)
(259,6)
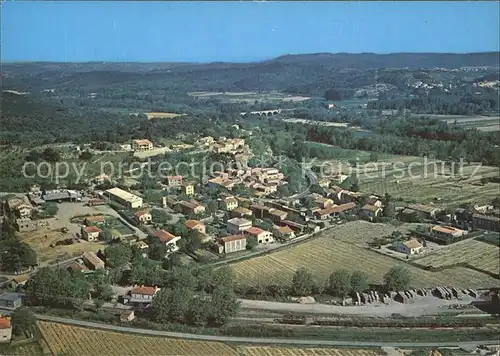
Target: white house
(410,247)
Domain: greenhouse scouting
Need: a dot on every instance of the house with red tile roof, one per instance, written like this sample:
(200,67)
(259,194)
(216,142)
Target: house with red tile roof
(143,217)
(259,235)
(5,329)
(195,225)
(143,294)
(91,233)
(168,239)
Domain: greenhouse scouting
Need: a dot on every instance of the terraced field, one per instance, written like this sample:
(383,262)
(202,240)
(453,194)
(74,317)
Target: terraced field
(72,340)
(290,351)
(325,254)
(477,254)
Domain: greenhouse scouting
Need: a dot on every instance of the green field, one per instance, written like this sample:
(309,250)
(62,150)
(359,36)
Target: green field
(249,97)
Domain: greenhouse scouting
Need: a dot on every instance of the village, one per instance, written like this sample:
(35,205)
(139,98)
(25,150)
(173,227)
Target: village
(205,221)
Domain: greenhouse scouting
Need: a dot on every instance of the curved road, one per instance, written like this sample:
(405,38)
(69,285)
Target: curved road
(251,340)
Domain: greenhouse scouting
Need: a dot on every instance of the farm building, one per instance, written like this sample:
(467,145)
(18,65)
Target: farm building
(60,195)
(20,207)
(125,198)
(5,329)
(92,261)
(426,211)
(233,243)
(410,247)
(447,232)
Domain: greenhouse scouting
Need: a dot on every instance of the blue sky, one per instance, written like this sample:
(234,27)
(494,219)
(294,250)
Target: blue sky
(239,31)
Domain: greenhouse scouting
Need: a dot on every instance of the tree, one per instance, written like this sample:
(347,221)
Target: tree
(359,282)
(251,244)
(51,209)
(23,320)
(339,283)
(302,282)
(104,291)
(171,305)
(212,206)
(283,191)
(223,306)
(117,255)
(397,279)
(157,250)
(160,216)
(86,155)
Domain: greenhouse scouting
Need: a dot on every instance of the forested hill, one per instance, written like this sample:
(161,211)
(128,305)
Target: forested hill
(308,73)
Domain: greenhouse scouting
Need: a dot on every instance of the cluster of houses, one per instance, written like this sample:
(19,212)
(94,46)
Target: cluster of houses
(264,181)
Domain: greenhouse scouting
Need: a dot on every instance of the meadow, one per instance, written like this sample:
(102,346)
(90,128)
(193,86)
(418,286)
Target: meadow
(292,351)
(249,97)
(331,251)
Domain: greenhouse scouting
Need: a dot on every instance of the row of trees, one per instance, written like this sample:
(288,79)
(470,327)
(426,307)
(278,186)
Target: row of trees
(15,255)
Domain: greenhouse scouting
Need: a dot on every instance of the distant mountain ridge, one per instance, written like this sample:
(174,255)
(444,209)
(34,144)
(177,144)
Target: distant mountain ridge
(309,74)
(333,60)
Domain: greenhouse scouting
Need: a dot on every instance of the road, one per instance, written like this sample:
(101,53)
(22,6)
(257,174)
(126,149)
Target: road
(252,340)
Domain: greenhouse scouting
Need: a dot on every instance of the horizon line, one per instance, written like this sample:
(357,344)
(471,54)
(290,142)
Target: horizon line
(22,61)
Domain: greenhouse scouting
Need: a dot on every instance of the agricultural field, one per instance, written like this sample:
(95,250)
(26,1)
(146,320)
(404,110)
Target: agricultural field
(478,254)
(291,351)
(249,97)
(329,252)
(480,122)
(426,182)
(162,115)
(25,349)
(78,341)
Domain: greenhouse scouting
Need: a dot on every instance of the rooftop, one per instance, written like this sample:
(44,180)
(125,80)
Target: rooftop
(255,231)
(11,296)
(144,290)
(371,207)
(486,217)
(239,221)
(164,236)
(141,213)
(92,258)
(285,230)
(233,238)
(446,229)
(413,243)
(122,194)
(190,224)
(423,208)
(337,209)
(96,218)
(91,229)
(5,322)
(142,142)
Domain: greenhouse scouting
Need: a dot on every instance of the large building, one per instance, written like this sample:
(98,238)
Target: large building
(142,145)
(238,225)
(130,200)
(234,243)
(486,222)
